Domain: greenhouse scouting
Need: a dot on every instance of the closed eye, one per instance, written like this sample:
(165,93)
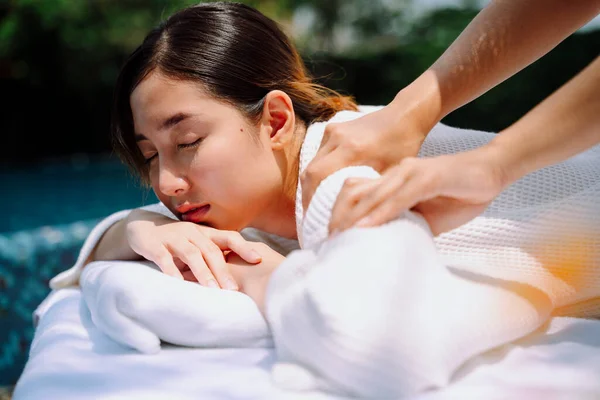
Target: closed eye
(190,145)
(181,147)
(149,160)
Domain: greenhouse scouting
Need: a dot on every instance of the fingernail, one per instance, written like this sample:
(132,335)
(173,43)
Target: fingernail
(334,233)
(366,221)
(255,255)
(231,285)
(212,283)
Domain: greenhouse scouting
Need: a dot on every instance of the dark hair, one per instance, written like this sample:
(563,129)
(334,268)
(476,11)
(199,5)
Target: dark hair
(236,53)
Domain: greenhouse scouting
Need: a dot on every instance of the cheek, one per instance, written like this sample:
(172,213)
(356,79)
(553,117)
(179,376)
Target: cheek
(236,174)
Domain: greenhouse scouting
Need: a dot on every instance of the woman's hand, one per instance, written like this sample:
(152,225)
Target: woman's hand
(379,139)
(253,279)
(186,250)
(448,191)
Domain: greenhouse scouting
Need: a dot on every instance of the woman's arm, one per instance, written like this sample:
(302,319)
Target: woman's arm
(113,245)
(565,124)
(450,190)
(502,39)
(505,37)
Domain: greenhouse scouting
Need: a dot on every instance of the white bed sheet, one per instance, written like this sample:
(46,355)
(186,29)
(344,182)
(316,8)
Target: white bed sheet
(72,360)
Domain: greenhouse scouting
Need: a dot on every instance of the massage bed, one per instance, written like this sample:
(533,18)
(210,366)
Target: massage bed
(70,359)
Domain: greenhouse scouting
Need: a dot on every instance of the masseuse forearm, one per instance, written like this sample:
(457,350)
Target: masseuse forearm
(505,37)
(563,125)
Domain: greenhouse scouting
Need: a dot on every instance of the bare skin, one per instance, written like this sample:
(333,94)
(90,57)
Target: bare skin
(254,278)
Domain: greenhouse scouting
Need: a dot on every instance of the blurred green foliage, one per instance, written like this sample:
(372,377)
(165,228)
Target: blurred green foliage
(59,60)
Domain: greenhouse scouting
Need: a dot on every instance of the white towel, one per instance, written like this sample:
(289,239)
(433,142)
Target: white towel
(139,306)
(375,312)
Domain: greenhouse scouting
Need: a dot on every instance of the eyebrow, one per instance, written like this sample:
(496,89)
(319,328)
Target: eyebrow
(166,124)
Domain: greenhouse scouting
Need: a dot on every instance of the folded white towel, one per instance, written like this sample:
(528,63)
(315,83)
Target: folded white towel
(138,306)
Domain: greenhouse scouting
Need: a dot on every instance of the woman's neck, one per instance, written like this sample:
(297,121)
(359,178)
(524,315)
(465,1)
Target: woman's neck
(280,218)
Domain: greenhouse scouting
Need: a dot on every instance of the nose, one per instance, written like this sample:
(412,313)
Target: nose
(171,183)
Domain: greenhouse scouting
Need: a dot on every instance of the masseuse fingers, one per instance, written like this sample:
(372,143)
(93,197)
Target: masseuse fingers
(385,189)
(234,241)
(364,200)
(412,187)
(352,192)
(164,260)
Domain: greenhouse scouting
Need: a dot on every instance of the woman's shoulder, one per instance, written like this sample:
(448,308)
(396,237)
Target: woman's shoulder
(366,109)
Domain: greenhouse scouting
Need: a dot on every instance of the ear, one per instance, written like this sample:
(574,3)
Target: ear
(278,118)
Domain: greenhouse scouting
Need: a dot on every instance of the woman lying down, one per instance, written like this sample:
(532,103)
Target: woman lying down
(216,112)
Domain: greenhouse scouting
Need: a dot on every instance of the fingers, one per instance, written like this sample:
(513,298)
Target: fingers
(199,251)
(197,258)
(176,247)
(367,204)
(206,261)
(164,260)
(402,188)
(348,199)
(231,240)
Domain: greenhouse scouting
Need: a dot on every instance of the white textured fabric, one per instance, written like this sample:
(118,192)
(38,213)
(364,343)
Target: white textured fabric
(310,146)
(315,229)
(139,306)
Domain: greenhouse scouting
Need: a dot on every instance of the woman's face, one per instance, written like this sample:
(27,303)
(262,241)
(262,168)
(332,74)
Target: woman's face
(206,162)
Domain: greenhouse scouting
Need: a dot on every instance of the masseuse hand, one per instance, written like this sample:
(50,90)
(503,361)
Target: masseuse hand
(379,139)
(450,190)
(447,190)
(186,250)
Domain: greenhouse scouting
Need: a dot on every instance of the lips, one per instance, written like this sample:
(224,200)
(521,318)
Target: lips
(195,215)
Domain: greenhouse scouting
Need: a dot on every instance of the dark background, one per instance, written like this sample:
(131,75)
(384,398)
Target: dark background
(58,63)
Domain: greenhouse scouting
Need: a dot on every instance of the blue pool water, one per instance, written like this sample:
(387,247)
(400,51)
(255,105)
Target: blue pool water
(47,210)
(66,190)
